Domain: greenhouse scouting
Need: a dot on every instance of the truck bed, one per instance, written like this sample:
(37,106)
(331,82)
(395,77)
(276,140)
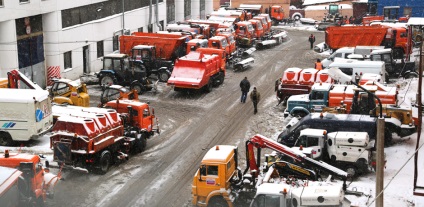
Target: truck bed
(338,37)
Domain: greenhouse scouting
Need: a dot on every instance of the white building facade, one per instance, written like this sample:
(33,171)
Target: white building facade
(46,38)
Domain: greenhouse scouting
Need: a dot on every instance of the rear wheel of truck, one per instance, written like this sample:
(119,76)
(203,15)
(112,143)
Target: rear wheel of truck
(139,87)
(141,143)
(411,75)
(208,87)
(5,139)
(217,201)
(351,170)
(106,80)
(163,76)
(104,162)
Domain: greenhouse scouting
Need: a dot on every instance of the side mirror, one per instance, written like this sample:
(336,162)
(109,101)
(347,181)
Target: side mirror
(202,171)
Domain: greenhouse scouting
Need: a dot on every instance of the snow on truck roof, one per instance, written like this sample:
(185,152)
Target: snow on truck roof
(5,174)
(272,188)
(218,154)
(415,21)
(11,95)
(322,86)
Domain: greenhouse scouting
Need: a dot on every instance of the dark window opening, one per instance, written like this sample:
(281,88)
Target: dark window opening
(67,57)
(100,49)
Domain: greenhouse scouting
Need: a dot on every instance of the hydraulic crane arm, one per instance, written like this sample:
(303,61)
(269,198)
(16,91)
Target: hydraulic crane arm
(15,76)
(260,141)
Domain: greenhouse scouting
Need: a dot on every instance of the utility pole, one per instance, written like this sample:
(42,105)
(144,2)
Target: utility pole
(379,185)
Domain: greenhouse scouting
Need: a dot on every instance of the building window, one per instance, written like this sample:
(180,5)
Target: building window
(170,11)
(23,1)
(100,50)
(187,9)
(67,57)
(83,14)
(140,29)
(115,43)
(1,3)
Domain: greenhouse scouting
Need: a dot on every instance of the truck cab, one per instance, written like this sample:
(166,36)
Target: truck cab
(277,14)
(264,23)
(245,33)
(311,142)
(406,69)
(314,101)
(231,42)
(65,91)
(193,44)
(219,42)
(211,182)
(259,30)
(37,180)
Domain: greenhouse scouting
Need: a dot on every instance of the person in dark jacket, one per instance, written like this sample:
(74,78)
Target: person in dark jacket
(245,88)
(312,40)
(255,96)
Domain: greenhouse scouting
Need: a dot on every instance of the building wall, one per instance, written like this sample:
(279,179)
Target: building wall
(265,3)
(417,7)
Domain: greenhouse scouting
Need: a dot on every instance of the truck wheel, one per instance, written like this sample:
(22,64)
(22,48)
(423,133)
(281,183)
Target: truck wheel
(141,144)
(221,78)
(104,162)
(411,75)
(163,76)
(217,201)
(106,80)
(5,139)
(39,202)
(208,87)
(274,22)
(298,113)
(351,170)
(137,86)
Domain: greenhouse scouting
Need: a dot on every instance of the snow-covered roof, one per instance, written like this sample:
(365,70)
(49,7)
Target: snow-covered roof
(272,188)
(218,154)
(5,174)
(325,7)
(415,21)
(9,95)
(313,2)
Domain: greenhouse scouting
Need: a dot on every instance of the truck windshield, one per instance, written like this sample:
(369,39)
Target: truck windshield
(306,141)
(111,64)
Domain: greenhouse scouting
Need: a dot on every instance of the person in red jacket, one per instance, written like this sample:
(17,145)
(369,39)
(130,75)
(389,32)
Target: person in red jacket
(318,65)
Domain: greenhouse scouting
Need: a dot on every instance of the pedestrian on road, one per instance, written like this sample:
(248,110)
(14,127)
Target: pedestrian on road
(318,65)
(245,88)
(256,97)
(312,40)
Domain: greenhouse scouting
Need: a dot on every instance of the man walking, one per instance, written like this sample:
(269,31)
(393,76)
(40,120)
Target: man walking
(318,65)
(256,97)
(312,40)
(245,88)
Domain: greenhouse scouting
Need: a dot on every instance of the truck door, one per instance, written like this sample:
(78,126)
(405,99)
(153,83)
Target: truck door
(210,179)
(60,89)
(317,99)
(147,120)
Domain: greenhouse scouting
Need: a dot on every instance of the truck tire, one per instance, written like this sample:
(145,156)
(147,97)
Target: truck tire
(411,75)
(140,144)
(5,139)
(163,76)
(221,78)
(139,87)
(107,80)
(104,162)
(209,86)
(217,201)
(351,170)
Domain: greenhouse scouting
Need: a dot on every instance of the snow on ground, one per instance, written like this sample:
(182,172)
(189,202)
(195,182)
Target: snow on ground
(270,121)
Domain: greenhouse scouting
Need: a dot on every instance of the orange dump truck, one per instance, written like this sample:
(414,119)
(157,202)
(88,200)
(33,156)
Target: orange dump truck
(197,71)
(168,46)
(375,35)
(91,139)
(35,182)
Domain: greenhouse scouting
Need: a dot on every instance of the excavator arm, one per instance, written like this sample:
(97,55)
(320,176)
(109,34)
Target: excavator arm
(15,76)
(259,142)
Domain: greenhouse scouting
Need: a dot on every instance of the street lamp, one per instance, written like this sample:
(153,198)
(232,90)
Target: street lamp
(338,75)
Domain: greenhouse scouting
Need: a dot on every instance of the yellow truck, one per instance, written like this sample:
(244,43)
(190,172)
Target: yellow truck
(72,92)
(220,182)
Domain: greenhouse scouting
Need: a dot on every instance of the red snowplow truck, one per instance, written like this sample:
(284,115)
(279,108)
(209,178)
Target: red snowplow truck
(197,71)
(375,35)
(91,139)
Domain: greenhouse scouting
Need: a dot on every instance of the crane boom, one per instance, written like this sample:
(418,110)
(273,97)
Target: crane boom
(260,141)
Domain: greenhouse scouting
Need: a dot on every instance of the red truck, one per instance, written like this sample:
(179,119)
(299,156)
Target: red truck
(168,46)
(375,35)
(91,139)
(297,81)
(197,71)
(35,182)
(245,34)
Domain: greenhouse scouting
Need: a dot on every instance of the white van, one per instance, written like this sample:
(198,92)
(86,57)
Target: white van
(351,67)
(340,53)
(345,52)
(24,114)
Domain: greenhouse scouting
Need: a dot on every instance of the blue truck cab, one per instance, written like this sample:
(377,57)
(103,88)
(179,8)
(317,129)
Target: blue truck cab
(301,105)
